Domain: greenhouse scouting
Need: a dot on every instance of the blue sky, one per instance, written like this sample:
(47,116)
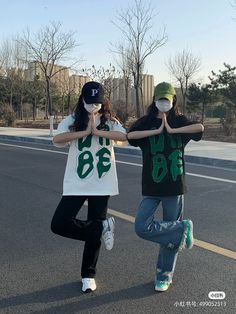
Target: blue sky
(206,27)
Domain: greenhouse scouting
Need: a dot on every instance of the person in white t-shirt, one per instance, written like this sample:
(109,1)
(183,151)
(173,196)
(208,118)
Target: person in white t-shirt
(90,176)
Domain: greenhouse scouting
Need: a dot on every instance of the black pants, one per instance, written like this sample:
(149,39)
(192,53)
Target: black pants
(64,223)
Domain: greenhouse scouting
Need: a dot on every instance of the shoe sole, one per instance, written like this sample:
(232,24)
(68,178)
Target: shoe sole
(188,224)
(163,290)
(111,228)
(191,237)
(111,222)
(88,290)
(94,287)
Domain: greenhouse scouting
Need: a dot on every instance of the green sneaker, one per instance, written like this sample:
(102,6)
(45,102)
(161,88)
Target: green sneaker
(187,239)
(162,286)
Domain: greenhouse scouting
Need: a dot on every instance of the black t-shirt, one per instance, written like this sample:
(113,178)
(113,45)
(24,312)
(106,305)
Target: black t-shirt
(163,156)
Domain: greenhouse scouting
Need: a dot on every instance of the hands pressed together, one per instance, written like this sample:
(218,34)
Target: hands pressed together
(193,128)
(165,124)
(91,128)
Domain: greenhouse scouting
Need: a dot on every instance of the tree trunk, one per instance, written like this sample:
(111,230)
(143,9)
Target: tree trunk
(34,109)
(49,102)
(68,104)
(141,98)
(51,125)
(203,111)
(11,97)
(126,100)
(185,95)
(182,93)
(137,101)
(21,108)
(63,106)
(137,93)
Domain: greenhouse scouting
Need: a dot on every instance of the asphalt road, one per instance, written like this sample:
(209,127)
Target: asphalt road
(40,272)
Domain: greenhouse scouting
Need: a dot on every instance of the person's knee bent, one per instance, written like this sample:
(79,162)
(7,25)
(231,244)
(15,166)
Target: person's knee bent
(140,228)
(57,226)
(54,227)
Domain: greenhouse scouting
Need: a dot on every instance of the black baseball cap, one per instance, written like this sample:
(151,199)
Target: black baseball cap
(93,93)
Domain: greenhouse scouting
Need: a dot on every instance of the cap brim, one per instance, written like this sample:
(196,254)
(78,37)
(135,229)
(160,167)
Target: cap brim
(166,96)
(93,100)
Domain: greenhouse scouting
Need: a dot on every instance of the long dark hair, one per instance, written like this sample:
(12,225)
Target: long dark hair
(81,115)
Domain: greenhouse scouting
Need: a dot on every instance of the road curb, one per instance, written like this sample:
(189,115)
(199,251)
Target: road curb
(222,163)
(45,141)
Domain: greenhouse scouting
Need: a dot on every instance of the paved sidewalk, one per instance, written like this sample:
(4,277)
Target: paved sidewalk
(219,154)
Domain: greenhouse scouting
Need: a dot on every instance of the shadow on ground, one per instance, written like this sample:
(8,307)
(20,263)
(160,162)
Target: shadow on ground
(71,290)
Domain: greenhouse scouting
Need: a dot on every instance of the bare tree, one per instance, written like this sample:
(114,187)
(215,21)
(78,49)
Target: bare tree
(135,23)
(12,66)
(183,67)
(124,63)
(47,48)
(35,94)
(104,76)
(20,55)
(67,94)
(6,64)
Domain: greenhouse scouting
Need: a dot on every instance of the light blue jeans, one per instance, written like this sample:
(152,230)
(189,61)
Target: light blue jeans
(168,233)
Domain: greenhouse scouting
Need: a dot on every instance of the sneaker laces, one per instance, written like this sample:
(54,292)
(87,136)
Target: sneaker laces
(107,235)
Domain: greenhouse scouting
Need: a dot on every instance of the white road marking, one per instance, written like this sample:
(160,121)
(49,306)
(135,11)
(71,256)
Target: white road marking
(204,245)
(119,162)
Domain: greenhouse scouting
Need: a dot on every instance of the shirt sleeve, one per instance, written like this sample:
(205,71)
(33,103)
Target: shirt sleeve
(139,125)
(63,127)
(183,121)
(116,126)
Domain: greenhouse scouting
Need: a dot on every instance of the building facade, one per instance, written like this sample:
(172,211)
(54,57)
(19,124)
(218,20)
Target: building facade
(76,83)
(59,76)
(147,89)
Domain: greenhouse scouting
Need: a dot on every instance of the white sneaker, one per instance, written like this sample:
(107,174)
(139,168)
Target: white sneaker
(88,284)
(108,232)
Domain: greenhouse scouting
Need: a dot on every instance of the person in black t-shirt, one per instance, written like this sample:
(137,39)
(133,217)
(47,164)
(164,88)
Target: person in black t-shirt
(162,135)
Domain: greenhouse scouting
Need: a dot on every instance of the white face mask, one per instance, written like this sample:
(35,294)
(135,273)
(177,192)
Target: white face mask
(92,108)
(163,105)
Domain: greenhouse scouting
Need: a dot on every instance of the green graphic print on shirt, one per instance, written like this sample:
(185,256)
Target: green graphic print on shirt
(159,158)
(86,162)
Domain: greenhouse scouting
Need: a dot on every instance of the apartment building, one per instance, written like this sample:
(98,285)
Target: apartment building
(64,82)
(60,75)
(119,92)
(76,83)
(147,89)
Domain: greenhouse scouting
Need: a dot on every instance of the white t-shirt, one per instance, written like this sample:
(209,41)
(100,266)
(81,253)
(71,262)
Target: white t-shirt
(90,168)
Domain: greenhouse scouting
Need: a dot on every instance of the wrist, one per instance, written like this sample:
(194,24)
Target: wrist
(95,131)
(87,132)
